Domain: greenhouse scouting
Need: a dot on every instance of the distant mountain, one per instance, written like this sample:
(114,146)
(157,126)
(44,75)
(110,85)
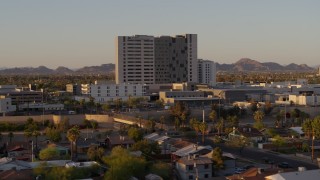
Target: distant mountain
(242,65)
(42,70)
(63,70)
(246,64)
(97,69)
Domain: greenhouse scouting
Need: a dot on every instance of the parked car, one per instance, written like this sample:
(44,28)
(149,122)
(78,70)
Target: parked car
(284,165)
(267,160)
(239,170)
(248,167)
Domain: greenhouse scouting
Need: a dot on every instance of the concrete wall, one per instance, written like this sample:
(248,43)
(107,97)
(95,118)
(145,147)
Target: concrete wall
(23,119)
(103,120)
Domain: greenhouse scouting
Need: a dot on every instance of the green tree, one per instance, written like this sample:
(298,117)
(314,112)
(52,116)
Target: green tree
(213,115)
(160,103)
(278,142)
(53,134)
(271,132)
(162,169)
(95,153)
(147,148)
(220,125)
(238,142)
(50,153)
(267,108)
(120,161)
(36,134)
(176,123)
(64,124)
(217,158)
(106,107)
(258,125)
(73,134)
(162,121)
(307,127)
(179,110)
(150,125)
(135,134)
(86,123)
(28,134)
(254,106)
(94,124)
(195,124)
(316,127)
(232,121)
(203,129)
(258,115)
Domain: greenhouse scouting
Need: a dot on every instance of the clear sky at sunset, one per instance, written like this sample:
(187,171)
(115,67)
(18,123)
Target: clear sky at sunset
(76,33)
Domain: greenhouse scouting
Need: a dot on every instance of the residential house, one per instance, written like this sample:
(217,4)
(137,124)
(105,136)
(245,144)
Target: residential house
(254,173)
(117,140)
(248,132)
(296,175)
(162,141)
(26,174)
(8,163)
(194,167)
(19,150)
(191,149)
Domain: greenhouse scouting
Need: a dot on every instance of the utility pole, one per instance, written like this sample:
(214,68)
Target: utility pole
(202,113)
(312,148)
(32,151)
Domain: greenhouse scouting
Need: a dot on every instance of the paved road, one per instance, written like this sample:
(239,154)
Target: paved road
(257,155)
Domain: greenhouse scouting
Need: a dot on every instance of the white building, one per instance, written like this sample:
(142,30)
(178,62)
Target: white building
(5,105)
(207,72)
(305,100)
(135,59)
(194,167)
(41,106)
(110,92)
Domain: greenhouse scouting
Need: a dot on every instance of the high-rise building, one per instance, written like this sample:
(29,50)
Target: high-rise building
(156,60)
(135,59)
(176,59)
(207,72)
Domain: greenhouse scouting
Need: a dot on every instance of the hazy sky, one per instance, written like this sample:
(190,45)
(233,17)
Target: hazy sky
(76,33)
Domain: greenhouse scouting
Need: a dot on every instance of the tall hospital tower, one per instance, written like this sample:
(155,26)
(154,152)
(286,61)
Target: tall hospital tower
(142,59)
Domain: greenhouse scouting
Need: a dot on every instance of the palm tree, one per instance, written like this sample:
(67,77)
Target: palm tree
(219,125)
(203,128)
(258,115)
(213,115)
(194,124)
(176,123)
(36,134)
(10,135)
(162,120)
(73,134)
(28,134)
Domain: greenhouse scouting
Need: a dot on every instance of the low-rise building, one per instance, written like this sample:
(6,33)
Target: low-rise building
(110,92)
(6,105)
(75,89)
(296,175)
(309,100)
(248,132)
(41,106)
(194,167)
